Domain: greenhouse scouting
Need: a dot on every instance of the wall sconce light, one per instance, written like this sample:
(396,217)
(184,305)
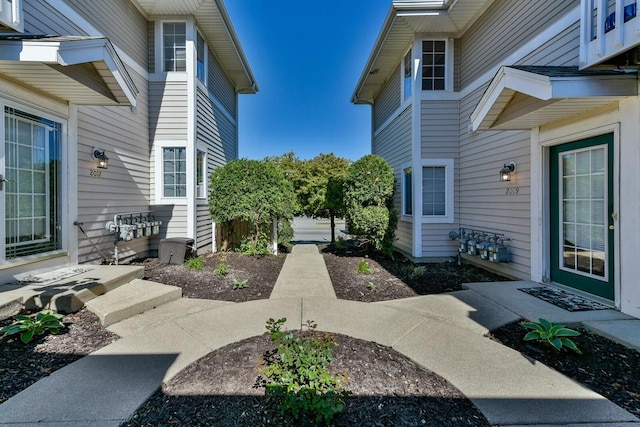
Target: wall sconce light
(506,171)
(102,161)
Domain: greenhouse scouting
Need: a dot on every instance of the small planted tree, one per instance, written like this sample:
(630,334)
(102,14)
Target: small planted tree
(253,191)
(368,198)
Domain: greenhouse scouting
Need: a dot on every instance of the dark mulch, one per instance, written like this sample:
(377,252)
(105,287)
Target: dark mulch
(387,388)
(260,272)
(606,367)
(21,365)
(396,278)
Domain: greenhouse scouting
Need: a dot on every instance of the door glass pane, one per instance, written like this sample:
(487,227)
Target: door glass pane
(584,217)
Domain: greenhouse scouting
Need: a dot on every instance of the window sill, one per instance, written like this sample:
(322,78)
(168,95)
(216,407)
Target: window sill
(177,201)
(437,220)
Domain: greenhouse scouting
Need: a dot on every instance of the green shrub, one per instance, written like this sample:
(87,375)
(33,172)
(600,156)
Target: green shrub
(195,263)
(261,246)
(368,199)
(222,269)
(553,334)
(240,284)
(363,268)
(30,326)
(341,243)
(297,379)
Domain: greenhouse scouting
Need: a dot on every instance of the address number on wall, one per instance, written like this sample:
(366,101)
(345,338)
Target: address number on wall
(512,191)
(95,173)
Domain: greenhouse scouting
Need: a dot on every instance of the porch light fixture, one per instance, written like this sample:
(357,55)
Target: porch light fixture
(102,161)
(506,171)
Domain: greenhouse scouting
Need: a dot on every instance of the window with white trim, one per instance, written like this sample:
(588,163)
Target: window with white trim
(407,191)
(174,46)
(437,190)
(201,174)
(201,58)
(434,65)
(407,76)
(174,172)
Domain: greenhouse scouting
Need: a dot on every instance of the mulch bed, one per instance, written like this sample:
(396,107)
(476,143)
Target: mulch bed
(387,389)
(606,367)
(260,272)
(396,278)
(21,365)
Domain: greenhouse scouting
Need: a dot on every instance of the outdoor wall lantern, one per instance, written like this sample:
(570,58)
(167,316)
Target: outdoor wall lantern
(102,161)
(506,171)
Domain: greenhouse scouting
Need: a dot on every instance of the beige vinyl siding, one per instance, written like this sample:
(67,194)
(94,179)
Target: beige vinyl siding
(562,50)
(174,222)
(216,131)
(394,145)
(120,21)
(124,186)
(168,110)
(483,200)
(502,29)
(220,85)
(204,229)
(440,128)
(40,17)
(388,101)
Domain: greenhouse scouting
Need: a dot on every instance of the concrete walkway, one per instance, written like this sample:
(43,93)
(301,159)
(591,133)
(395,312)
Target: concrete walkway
(443,333)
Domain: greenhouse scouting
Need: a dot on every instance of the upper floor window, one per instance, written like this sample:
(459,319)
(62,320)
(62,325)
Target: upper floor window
(407,74)
(434,60)
(174,39)
(201,58)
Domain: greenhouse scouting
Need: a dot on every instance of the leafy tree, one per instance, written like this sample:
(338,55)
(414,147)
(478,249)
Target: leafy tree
(317,182)
(253,191)
(368,198)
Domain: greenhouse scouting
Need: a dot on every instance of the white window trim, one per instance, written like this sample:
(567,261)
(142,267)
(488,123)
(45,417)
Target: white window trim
(403,203)
(206,58)
(448,164)
(402,78)
(159,45)
(159,173)
(199,199)
(448,68)
(11,14)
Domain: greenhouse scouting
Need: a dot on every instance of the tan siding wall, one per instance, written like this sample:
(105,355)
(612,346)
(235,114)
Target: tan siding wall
(168,110)
(388,101)
(483,200)
(394,145)
(120,21)
(503,28)
(42,18)
(220,85)
(562,50)
(204,229)
(216,131)
(124,187)
(174,222)
(440,131)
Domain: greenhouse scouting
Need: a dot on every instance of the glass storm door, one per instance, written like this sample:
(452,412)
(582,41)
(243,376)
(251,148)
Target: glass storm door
(582,227)
(31,184)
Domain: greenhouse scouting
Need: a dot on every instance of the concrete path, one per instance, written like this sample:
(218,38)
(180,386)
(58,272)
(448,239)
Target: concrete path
(303,274)
(440,332)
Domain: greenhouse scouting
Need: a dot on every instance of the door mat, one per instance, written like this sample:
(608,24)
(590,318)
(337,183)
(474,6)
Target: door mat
(52,276)
(564,299)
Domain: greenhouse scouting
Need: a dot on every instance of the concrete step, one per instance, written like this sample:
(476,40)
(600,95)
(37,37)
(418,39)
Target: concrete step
(133,298)
(68,294)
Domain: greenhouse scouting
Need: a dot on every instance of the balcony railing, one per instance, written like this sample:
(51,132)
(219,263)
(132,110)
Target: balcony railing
(11,16)
(607,29)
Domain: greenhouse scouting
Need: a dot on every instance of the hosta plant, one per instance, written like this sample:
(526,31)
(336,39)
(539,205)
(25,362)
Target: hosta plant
(240,284)
(554,334)
(30,326)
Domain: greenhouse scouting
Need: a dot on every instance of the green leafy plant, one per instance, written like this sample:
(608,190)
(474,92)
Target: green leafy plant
(372,287)
(554,334)
(222,269)
(363,268)
(30,326)
(419,271)
(195,263)
(341,243)
(222,257)
(296,374)
(240,284)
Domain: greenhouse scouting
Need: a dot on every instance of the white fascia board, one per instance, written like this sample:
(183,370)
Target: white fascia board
(590,86)
(46,52)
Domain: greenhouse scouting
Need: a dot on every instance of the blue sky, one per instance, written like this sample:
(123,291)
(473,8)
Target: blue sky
(307,58)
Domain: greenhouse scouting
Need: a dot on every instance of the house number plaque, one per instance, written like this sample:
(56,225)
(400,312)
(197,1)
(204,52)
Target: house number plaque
(95,173)
(512,191)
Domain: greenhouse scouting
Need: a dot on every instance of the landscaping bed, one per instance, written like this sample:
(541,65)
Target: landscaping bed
(387,389)
(605,367)
(21,364)
(259,272)
(395,278)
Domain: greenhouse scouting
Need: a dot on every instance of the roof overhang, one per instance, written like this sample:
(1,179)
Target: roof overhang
(443,18)
(215,23)
(525,97)
(82,70)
